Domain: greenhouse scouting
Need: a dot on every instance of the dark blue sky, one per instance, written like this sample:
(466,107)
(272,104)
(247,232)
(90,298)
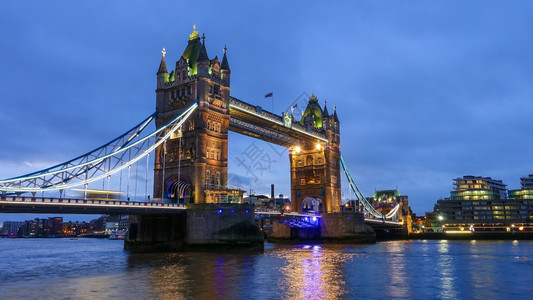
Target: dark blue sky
(426,91)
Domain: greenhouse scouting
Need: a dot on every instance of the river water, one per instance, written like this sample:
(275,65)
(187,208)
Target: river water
(419,269)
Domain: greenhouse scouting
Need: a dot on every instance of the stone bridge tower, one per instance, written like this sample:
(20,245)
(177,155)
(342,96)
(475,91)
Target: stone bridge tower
(192,165)
(315,166)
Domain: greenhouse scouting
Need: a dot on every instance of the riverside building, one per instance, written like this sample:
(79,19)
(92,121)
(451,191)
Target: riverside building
(483,200)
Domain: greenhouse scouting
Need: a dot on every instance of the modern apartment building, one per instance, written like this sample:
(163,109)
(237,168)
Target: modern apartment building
(483,200)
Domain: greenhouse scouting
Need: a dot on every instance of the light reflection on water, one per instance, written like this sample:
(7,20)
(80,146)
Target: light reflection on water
(313,272)
(445,265)
(397,286)
(100,269)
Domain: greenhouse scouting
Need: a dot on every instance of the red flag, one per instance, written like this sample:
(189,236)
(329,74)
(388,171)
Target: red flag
(269,95)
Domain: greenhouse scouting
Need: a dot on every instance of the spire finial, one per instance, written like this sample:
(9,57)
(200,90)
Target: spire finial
(334,107)
(225,49)
(194,34)
(203,38)
(325,102)
(163,52)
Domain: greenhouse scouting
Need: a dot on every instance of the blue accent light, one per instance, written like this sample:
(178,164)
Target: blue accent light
(232,211)
(314,219)
(220,211)
(348,218)
(246,211)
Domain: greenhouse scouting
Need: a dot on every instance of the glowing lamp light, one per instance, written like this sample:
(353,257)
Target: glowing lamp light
(297,149)
(314,219)
(220,211)
(521,228)
(246,211)
(232,211)
(318,146)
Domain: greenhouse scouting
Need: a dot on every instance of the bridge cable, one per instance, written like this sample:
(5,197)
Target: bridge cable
(94,162)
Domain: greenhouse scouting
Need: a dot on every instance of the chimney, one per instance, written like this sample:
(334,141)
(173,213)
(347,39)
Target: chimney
(272,195)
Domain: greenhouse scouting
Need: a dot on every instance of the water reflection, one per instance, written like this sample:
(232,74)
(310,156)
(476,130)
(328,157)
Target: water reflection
(446,270)
(313,272)
(397,286)
(99,269)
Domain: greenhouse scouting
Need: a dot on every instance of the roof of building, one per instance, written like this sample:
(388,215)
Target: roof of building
(163,64)
(326,113)
(203,52)
(313,109)
(225,65)
(192,52)
(385,193)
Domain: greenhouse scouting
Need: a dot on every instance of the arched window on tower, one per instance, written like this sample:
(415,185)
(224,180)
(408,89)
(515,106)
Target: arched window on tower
(309,160)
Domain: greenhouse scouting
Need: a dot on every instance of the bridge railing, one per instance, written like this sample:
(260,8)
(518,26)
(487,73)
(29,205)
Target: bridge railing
(53,201)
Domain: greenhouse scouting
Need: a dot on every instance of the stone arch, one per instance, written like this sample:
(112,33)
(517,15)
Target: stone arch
(312,204)
(180,191)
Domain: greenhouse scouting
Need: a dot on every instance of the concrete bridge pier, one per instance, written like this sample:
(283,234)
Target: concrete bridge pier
(333,228)
(221,226)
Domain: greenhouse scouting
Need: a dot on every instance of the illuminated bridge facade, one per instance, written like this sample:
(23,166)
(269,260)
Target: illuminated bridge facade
(192,165)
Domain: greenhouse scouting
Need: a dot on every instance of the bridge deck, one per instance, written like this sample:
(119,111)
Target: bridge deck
(255,122)
(84,206)
(376,223)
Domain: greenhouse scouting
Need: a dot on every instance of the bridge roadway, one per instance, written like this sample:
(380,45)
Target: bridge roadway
(51,205)
(84,206)
(374,223)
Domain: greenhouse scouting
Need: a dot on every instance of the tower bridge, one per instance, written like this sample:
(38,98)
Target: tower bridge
(194,113)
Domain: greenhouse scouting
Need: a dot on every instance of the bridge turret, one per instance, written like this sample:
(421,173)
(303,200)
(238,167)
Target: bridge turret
(162,73)
(203,60)
(225,70)
(315,165)
(193,167)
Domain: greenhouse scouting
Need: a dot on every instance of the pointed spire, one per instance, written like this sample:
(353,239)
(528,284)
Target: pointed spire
(225,65)
(335,114)
(163,64)
(203,52)
(325,114)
